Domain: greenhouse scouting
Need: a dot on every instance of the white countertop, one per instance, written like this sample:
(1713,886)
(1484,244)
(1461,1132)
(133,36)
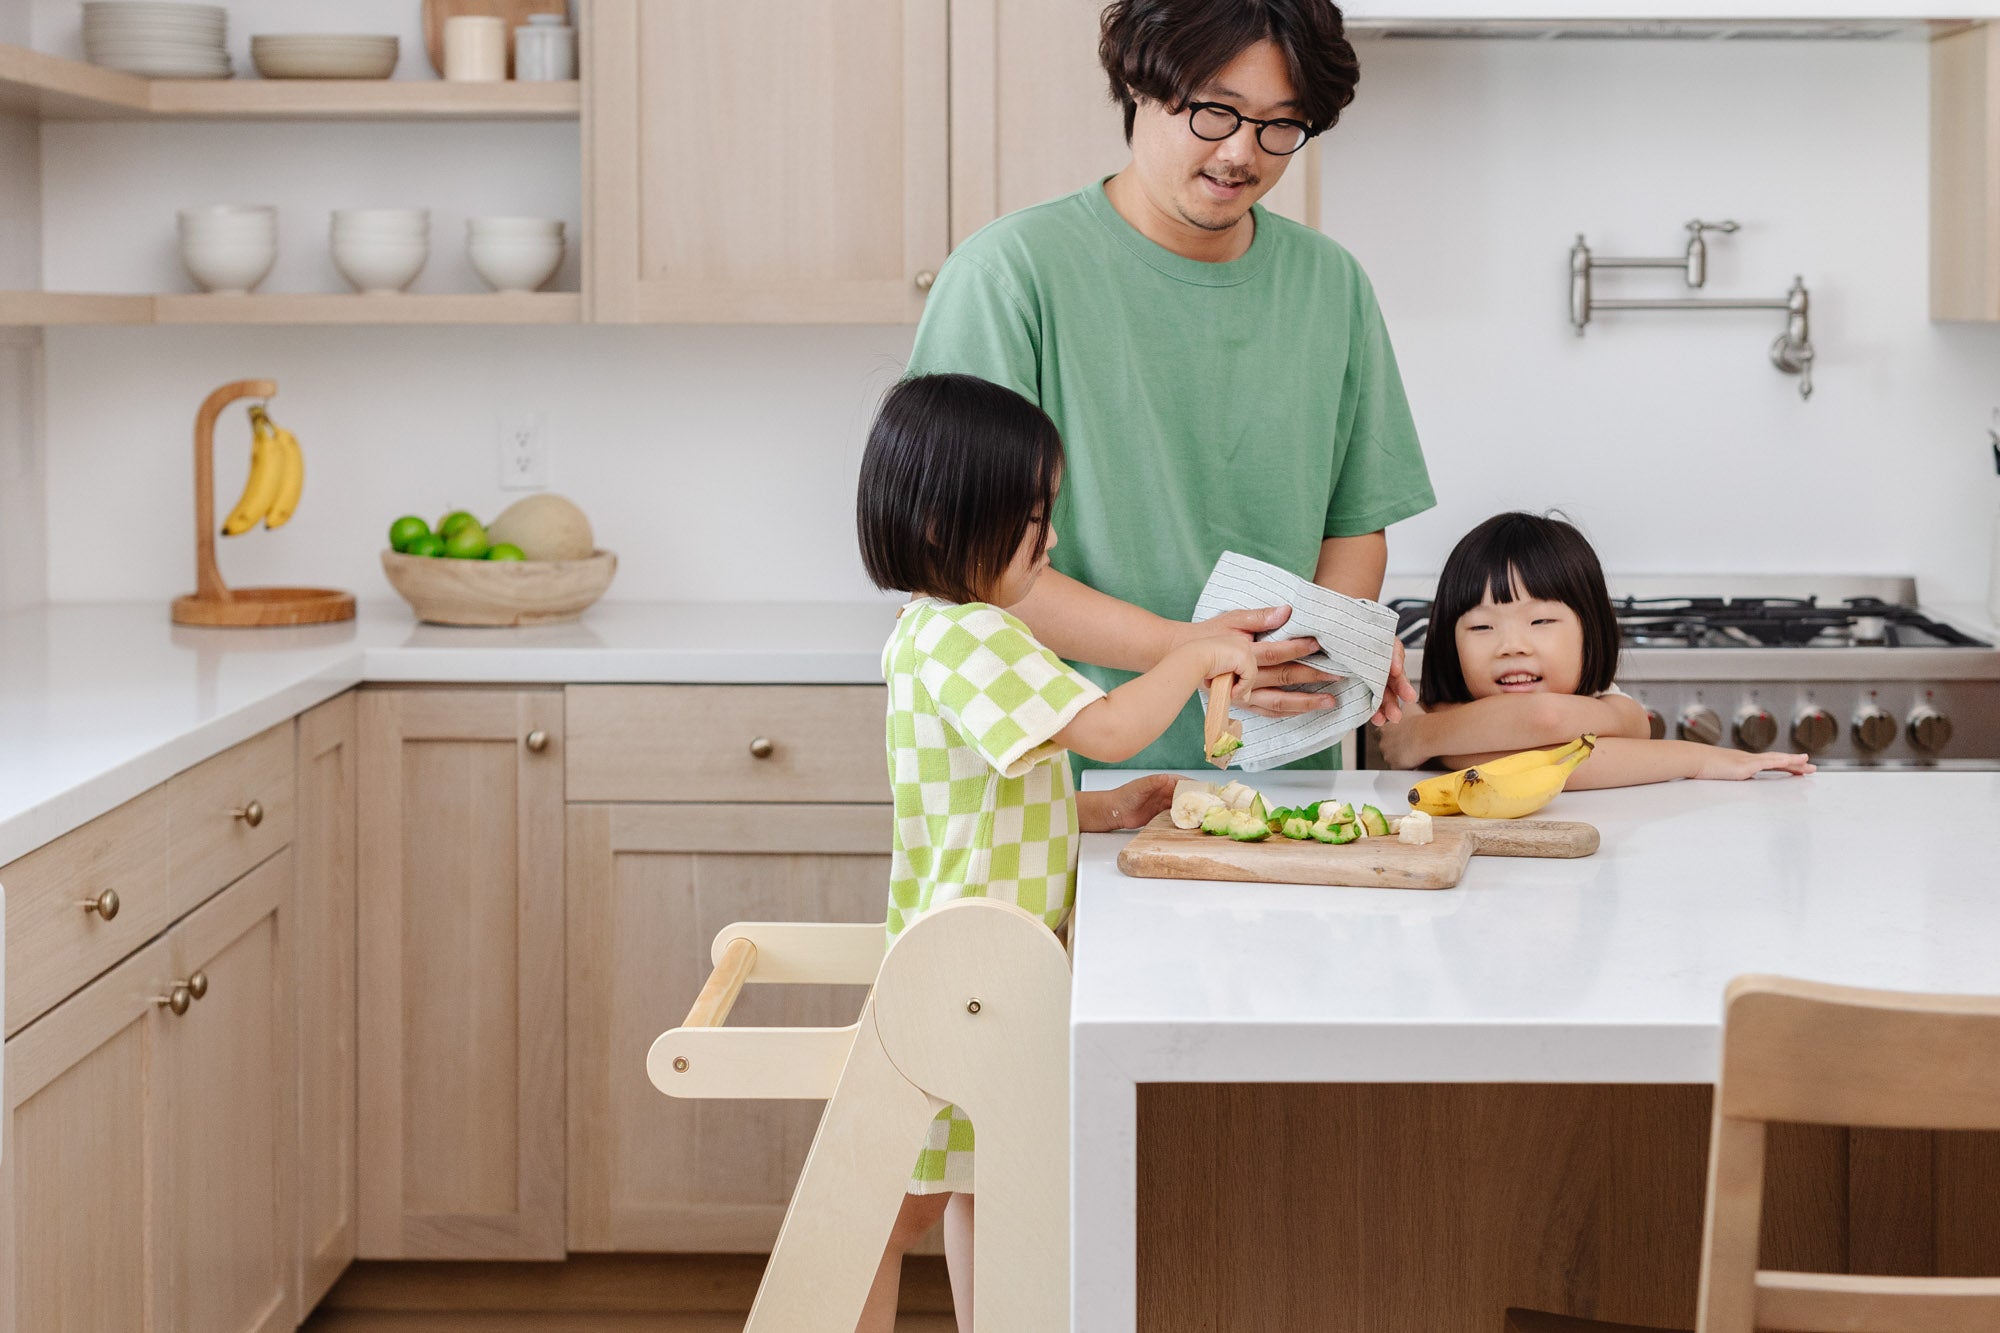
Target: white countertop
(1605,969)
(99,702)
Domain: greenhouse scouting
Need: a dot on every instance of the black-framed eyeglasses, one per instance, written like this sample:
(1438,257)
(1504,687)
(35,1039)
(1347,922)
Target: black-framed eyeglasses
(1215,122)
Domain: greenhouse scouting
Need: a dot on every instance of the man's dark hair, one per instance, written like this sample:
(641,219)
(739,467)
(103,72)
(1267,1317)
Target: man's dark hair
(955,470)
(1168,50)
(1525,555)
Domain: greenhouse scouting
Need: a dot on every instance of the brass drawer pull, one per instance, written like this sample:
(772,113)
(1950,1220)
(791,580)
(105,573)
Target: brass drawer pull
(176,999)
(924,280)
(538,741)
(104,904)
(198,985)
(251,814)
(761,748)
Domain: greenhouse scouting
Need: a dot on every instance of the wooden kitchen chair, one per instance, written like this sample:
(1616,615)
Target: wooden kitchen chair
(1814,1054)
(970,1007)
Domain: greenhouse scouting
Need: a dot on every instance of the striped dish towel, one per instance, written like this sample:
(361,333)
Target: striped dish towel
(1356,640)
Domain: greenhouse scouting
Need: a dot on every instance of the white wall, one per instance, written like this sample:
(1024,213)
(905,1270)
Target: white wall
(720,462)
(23,541)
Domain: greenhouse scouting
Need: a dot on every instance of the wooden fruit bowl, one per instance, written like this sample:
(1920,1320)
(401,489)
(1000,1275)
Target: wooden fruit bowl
(444,591)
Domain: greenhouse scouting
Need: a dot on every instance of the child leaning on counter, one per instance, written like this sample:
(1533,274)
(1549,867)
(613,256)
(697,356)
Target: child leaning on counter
(957,484)
(1521,654)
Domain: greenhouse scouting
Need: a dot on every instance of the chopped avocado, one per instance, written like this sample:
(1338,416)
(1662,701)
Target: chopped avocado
(1216,819)
(1310,813)
(1326,833)
(1297,828)
(1374,821)
(1334,812)
(1226,744)
(1245,827)
(1256,808)
(1340,834)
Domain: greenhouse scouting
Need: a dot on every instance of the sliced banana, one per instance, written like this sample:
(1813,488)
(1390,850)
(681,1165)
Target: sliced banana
(1192,800)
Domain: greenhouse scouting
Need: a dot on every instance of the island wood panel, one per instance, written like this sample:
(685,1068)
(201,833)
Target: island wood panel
(1385,1208)
(324,958)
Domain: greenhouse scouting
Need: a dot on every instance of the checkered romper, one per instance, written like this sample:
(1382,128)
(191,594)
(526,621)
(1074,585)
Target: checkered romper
(984,802)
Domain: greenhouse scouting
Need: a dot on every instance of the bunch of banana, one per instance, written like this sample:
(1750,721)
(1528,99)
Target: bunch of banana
(1508,788)
(277,476)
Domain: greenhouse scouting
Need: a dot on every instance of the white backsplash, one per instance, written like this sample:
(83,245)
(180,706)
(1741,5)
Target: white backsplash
(720,462)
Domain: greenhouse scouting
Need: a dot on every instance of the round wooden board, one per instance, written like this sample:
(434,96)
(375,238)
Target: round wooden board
(252,607)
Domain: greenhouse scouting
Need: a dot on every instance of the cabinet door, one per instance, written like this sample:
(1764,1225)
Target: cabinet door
(1032,116)
(649,886)
(324,965)
(79,1179)
(766,161)
(229,1237)
(460,1139)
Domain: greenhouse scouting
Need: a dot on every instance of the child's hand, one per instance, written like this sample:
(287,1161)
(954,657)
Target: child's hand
(1735,765)
(1226,655)
(1130,806)
(1401,743)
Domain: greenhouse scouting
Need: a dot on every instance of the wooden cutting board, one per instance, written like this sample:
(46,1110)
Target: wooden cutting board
(516,12)
(1161,851)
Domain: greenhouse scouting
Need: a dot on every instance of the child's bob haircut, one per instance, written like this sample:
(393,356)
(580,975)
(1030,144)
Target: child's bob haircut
(1519,555)
(955,470)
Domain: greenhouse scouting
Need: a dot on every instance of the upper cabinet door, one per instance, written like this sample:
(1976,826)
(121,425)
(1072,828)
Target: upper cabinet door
(766,161)
(1032,116)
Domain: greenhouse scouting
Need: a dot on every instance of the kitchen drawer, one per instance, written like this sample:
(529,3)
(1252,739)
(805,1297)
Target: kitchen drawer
(717,743)
(118,863)
(227,814)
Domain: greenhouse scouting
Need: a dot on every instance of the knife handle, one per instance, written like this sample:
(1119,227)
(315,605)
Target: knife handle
(1219,691)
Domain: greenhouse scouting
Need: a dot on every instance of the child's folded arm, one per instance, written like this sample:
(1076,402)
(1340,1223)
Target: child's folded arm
(1508,723)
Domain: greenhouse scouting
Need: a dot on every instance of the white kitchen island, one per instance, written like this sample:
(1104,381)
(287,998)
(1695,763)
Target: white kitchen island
(1603,971)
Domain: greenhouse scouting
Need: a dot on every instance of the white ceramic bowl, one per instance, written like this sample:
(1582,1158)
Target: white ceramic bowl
(324,57)
(228,264)
(514,227)
(509,264)
(379,265)
(206,217)
(412,219)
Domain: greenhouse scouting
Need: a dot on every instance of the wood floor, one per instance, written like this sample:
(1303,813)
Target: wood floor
(585,1294)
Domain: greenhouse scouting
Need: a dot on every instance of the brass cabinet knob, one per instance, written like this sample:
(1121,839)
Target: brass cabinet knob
(538,740)
(104,904)
(762,748)
(198,985)
(925,279)
(176,999)
(251,814)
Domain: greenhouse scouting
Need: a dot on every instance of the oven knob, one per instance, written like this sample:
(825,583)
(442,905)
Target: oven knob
(1930,730)
(1700,724)
(1874,730)
(1814,729)
(1656,726)
(1756,729)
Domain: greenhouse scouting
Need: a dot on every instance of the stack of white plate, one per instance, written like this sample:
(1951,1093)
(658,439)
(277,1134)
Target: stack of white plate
(157,39)
(381,249)
(333,56)
(514,254)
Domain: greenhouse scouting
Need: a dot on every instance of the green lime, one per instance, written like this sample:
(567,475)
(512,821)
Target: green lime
(453,521)
(424,543)
(406,530)
(506,551)
(467,542)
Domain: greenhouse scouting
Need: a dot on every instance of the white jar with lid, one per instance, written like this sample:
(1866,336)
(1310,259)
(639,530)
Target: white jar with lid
(544,50)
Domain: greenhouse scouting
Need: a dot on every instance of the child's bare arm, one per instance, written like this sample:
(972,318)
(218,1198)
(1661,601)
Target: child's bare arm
(1134,715)
(1505,724)
(1621,762)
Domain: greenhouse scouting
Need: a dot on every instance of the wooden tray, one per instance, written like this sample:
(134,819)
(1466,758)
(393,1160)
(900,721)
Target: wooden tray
(1161,851)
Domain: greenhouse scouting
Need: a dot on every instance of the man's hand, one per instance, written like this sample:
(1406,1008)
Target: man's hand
(1277,661)
(1130,806)
(1396,693)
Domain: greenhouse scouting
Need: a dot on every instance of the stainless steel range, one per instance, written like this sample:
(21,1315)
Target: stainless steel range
(1851,671)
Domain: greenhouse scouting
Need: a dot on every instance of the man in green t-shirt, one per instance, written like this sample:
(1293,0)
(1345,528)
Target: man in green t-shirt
(1221,376)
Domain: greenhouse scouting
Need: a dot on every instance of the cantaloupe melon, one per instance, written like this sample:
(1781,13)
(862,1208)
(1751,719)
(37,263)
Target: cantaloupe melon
(545,527)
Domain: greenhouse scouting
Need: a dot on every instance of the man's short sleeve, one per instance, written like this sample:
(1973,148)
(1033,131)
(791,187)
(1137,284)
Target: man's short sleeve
(1382,477)
(977,322)
(993,683)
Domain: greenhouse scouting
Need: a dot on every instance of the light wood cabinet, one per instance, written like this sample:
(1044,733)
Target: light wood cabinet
(1965,174)
(324,936)
(460,973)
(146,1180)
(765,161)
(649,886)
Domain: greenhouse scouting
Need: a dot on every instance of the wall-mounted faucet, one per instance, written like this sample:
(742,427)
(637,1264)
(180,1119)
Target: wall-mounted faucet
(1791,353)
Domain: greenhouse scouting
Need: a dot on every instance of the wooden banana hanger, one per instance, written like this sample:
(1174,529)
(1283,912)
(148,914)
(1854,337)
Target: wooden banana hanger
(970,1007)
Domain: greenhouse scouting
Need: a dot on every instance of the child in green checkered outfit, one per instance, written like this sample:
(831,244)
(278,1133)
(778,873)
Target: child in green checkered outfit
(957,484)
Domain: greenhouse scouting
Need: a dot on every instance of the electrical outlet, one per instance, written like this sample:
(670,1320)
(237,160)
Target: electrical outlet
(524,453)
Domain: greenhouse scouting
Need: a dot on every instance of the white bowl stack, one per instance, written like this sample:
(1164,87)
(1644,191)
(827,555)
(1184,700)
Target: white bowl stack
(229,248)
(157,39)
(381,249)
(332,56)
(514,254)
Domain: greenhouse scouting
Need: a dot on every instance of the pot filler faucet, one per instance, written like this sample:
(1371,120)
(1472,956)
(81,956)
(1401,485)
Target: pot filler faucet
(1791,353)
